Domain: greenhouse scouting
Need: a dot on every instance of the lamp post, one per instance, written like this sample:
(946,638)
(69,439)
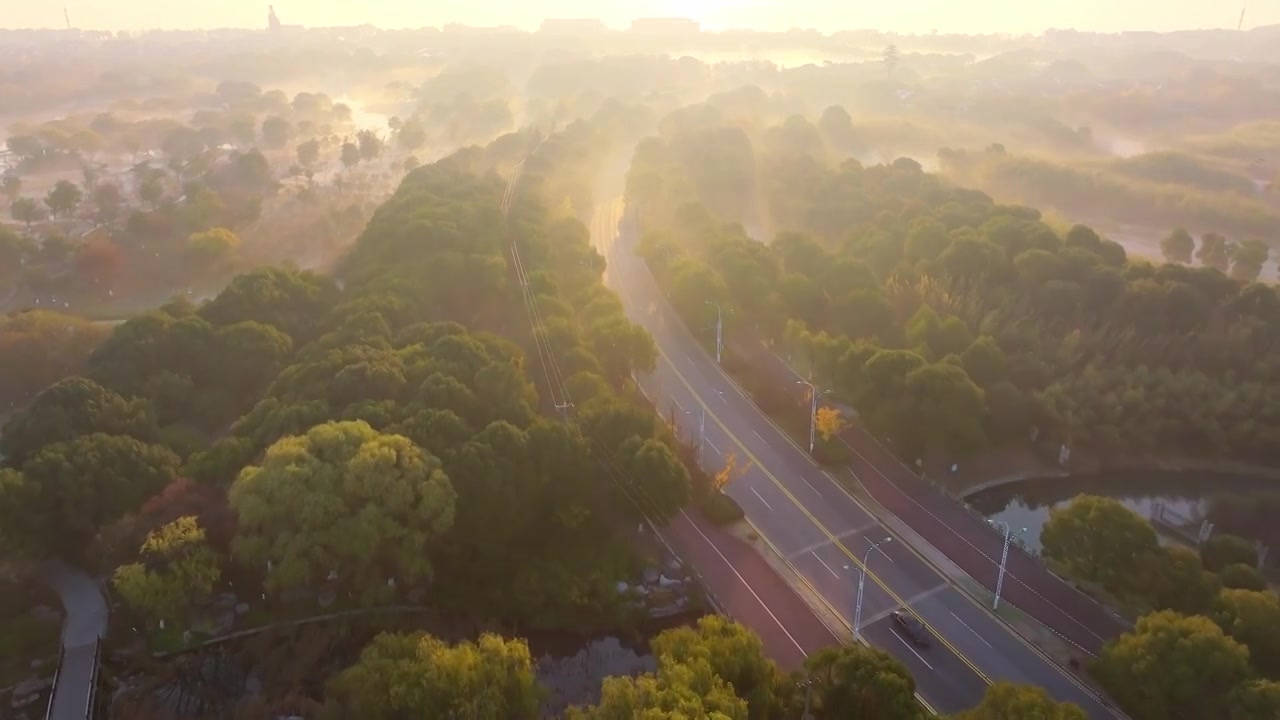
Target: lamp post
(862,581)
(814,395)
(719,329)
(1004,558)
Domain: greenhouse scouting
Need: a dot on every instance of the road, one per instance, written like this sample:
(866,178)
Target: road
(966,540)
(818,527)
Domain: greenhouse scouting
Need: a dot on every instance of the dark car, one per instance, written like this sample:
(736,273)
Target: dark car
(911,626)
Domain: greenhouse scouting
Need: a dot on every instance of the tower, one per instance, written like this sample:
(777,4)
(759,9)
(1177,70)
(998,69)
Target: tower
(273,22)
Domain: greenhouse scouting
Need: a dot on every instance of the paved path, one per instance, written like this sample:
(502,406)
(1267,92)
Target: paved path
(85,623)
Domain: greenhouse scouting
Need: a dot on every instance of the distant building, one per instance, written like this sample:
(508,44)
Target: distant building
(572,26)
(273,22)
(666,26)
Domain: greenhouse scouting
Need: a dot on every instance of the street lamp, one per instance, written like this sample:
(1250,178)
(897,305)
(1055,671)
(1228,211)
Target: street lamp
(813,409)
(862,581)
(1004,558)
(719,330)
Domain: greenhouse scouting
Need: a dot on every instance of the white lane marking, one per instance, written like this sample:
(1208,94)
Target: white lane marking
(766,502)
(713,447)
(745,583)
(886,555)
(828,567)
(908,646)
(690,359)
(677,404)
(811,487)
(758,435)
(975,632)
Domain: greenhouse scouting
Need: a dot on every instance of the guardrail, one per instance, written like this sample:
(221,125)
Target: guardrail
(53,691)
(93,680)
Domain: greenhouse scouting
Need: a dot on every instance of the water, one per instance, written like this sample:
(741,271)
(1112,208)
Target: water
(1027,504)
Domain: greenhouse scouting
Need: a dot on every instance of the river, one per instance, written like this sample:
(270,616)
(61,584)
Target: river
(1026,504)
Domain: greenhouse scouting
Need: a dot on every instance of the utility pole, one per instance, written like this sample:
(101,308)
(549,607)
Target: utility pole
(807,684)
(1004,559)
(814,395)
(702,434)
(719,330)
(862,581)
(564,410)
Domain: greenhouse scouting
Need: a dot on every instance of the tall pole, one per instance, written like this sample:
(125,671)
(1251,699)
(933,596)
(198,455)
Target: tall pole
(719,330)
(702,435)
(1004,559)
(862,581)
(814,396)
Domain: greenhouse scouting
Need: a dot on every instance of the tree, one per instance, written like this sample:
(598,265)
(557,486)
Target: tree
(857,682)
(1178,246)
(350,154)
(40,347)
(296,302)
(70,408)
(1242,577)
(369,143)
(828,422)
(411,163)
(15,250)
(734,653)
(342,498)
(403,676)
(1007,701)
(178,570)
(63,198)
(1247,260)
(1214,251)
(77,487)
(622,347)
(654,477)
(107,199)
(1255,700)
(309,153)
(890,57)
(26,211)
(1099,540)
(1173,579)
(151,187)
(1173,667)
(411,134)
(1253,619)
(985,362)
(275,132)
(212,248)
(729,472)
(675,692)
(1223,549)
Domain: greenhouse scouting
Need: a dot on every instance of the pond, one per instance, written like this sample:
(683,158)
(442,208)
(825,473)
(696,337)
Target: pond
(1026,504)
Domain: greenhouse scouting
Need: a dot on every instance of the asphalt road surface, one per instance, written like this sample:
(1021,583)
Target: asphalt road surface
(815,524)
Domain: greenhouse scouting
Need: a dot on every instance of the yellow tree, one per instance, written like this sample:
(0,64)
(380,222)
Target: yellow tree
(828,422)
(176,569)
(729,472)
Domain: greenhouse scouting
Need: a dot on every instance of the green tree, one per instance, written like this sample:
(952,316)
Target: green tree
(75,488)
(1253,619)
(622,348)
(890,58)
(151,187)
(418,676)
(1178,246)
(63,198)
(213,247)
(857,682)
(309,153)
(1223,549)
(26,211)
(411,135)
(1173,579)
(734,653)
(1255,700)
(1007,701)
(177,571)
(1247,260)
(1099,540)
(677,691)
(350,154)
(40,347)
(296,302)
(1242,577)
(1173,667)
(369,143)
(68,409)
(1214,251)
(654,477)
(11,187)
(342,498)
(985,362)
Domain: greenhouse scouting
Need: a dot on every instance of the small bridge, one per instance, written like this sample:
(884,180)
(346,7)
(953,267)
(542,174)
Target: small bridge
(1193,531)
(75,684)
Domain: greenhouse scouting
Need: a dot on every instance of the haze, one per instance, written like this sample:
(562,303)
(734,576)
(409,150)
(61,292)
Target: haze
(915,16)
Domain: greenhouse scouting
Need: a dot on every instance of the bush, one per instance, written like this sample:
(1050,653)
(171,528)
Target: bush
(720,509)
(1239,576)
(831,452)
(1225,549)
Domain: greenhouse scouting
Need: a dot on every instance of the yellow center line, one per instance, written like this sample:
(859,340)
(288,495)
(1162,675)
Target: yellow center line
(831,536)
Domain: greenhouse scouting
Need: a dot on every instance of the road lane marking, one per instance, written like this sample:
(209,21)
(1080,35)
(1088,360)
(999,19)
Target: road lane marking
(811,487)
(677,404)
(759,436)
(824,543)
(805,511)
(975,632)
(834,574)
(766,502)
(913,600)
(908,646)
(745,583)
(713,447)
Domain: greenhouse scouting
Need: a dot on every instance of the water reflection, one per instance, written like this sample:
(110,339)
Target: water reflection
(1027,504)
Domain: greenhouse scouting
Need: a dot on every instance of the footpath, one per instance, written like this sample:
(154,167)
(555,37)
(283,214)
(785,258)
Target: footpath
(84,625)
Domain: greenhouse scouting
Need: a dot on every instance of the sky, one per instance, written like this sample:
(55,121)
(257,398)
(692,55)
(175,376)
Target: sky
(907,16)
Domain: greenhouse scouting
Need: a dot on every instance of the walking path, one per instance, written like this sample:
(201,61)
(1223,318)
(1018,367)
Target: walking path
(84,625)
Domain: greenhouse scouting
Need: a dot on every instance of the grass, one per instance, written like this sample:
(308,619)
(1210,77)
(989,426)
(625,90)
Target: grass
(24,637)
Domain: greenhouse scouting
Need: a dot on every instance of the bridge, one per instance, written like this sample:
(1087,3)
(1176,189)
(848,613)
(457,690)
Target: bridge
(75,684)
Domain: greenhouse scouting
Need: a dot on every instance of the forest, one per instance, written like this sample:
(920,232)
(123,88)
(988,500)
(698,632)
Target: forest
(948,319)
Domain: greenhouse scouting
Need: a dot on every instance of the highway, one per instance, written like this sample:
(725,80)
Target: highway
(818,527)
